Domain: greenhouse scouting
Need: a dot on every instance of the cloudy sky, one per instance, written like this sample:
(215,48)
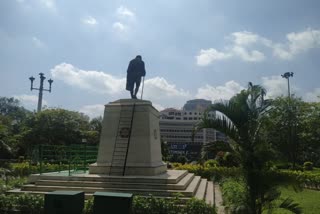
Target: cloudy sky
(192,49)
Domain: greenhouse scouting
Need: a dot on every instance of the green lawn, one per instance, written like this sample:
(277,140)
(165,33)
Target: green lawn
(309,200)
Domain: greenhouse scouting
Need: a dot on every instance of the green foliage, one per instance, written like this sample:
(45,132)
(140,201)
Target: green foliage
(209,172)
(211,163)
(293,128)
(25,203)
(308,179)
(56,126)
(308,165)
(241,119)
(9,181)
(88,206)
(233,193)
(21,129)
(197,206)
(34,204)
(147,205)
(234,196)
(25,168)
(308,200)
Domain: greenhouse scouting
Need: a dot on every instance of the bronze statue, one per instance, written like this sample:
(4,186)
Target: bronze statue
(135,71)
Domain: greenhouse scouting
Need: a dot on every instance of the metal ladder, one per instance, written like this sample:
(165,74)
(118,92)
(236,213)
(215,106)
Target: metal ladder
(121,147)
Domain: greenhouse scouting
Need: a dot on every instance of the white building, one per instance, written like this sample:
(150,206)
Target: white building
(176,128)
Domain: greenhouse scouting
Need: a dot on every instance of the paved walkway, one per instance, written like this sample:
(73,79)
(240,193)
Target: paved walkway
(218,199)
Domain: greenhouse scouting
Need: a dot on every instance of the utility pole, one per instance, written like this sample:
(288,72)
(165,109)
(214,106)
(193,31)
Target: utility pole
(40,89)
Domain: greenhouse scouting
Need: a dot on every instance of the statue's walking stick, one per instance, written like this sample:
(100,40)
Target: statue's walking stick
(142,88)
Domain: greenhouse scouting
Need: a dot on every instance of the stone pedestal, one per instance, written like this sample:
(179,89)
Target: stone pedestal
(144,153)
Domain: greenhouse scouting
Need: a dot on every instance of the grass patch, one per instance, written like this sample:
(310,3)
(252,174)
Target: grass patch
(309,200)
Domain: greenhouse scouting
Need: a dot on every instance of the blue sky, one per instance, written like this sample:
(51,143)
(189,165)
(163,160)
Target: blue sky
(192,49)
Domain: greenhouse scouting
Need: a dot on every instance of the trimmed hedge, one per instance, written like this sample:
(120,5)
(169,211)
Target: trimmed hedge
(25,168)
(307,178)
(34,204)
(208,172)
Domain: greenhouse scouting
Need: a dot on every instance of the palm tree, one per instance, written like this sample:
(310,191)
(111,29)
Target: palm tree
(241,119)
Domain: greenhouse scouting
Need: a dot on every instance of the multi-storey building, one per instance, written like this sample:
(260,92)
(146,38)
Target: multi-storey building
(176,129)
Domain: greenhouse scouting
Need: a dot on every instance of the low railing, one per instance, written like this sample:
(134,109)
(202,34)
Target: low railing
(60,158)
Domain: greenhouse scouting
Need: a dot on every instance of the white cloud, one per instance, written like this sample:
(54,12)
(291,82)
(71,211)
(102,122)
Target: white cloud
(38,43)
(244,38)
(29,101)
(251,47)
(93,110)
(313,96)
(275,86)
(158,88)
(95,81)
(241,46)
(208,56)
(119,27)
(162,93)
(158,106)
(124,12)
(89,20)
(249,56)
(297,43)
(224,92)
(50,4)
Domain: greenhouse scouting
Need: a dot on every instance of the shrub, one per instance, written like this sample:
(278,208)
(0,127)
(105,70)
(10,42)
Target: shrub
(198,207)
(211,163)
(34,204)
(24,203)
(233,192)
(307,178)
(209,172)
(25,168)
(88,206)
(308,165)
(146,205)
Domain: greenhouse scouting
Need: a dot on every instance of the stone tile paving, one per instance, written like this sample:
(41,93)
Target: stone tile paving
(218,199)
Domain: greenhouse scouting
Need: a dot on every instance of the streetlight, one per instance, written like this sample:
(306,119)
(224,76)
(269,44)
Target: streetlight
(40,89)
(287,75)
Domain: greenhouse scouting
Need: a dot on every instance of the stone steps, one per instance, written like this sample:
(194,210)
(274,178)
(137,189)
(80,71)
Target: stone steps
(170,177)
(188,192)
(182,184)
(167,185)
(201,190)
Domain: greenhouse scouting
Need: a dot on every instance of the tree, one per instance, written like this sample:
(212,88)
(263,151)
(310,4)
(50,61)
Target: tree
(12,118)
(56,126)
(241,119)
(293,127)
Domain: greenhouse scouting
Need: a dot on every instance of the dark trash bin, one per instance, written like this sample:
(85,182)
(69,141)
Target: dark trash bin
(64,202)
(112,203)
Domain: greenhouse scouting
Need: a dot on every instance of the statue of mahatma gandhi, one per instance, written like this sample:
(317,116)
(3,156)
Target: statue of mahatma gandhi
(135,71)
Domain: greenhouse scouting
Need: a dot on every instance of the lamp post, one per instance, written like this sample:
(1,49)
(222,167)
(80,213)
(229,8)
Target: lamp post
(287,75)
(291,134)
(40,89)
